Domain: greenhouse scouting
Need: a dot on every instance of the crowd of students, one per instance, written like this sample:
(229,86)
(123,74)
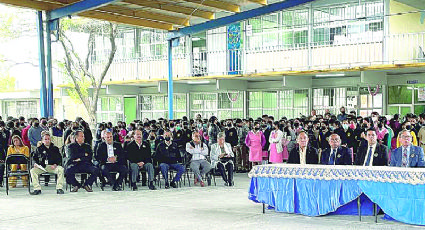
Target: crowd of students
(204,146)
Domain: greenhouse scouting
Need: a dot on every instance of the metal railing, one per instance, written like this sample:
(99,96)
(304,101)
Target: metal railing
(392,49)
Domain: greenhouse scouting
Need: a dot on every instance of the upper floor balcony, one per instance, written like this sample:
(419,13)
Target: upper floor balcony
(338,54)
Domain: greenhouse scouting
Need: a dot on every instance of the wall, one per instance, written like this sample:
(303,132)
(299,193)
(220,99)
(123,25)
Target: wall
(407,23)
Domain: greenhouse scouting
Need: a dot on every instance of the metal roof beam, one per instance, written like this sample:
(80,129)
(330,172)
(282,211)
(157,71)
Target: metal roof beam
(235,18)
(78,7)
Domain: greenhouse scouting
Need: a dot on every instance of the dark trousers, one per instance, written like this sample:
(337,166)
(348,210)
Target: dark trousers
(81,168)
(223,167)
(242,158)
(165,167)
(119,168)
(2,167)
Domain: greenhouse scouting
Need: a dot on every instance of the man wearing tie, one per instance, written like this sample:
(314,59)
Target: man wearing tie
(407,155)
(372,153)
(336,154)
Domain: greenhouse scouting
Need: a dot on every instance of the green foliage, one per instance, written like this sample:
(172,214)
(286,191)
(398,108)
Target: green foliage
(7,30)
(7,82)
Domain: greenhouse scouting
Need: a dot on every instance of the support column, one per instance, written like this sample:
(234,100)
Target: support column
(50,100)
(386,31)
(41,59)
(310,101)
(188,105)
(245,104)
(384,99)
(170,79)
(310,35)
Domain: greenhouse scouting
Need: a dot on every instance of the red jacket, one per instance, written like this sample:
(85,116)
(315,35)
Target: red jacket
(25,136)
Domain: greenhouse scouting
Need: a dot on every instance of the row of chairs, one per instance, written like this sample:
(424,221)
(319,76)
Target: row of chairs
(22,159)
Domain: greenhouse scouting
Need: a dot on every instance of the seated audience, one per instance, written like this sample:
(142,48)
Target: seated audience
(168,156)
(80,161)
(222,159)
(111,158)
(47,159)
(140,157)
(199,164)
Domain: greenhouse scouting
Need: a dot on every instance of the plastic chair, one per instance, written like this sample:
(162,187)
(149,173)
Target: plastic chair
(17,159)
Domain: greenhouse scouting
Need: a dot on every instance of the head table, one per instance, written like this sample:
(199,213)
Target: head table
(316,190)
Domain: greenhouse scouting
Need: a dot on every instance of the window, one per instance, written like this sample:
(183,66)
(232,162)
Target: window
(334,98)
(110,109)
(230,105)
(21,108)
(156,106)
(204,104)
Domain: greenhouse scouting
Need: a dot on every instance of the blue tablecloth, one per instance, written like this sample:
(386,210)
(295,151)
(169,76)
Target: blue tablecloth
(315,190)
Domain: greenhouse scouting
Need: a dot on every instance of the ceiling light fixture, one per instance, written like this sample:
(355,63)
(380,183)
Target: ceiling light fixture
(198,82)
(331,75)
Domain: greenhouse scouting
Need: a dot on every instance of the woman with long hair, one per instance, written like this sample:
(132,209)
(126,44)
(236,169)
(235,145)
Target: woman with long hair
(18,147)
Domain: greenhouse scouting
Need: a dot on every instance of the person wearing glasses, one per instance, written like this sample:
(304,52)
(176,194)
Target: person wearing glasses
(407,155)
(371,153)
(336,154)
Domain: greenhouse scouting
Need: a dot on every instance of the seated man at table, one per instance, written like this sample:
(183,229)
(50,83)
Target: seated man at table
(303,153)
(80,161)
(336,154)
(407,155)
(168,156)
(111,158)
(372,153)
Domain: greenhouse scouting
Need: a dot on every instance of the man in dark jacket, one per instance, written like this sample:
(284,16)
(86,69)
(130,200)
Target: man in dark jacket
(372,153)
(168,155)
(4,139)
(336,154)
(47,158)
(80,161)
(303,153)
(111,158)
(140,156)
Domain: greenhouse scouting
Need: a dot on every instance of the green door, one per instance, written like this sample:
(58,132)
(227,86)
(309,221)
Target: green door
(130,109)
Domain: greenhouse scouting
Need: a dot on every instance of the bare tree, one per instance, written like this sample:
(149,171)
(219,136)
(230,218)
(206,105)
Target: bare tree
(79,70)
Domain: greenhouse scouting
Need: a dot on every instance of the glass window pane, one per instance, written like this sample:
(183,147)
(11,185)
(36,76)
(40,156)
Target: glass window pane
(399,95)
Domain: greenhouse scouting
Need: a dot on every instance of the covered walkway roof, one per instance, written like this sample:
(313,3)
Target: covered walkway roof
(158,14)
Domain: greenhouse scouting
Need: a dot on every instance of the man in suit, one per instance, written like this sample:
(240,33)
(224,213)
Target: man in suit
(80,161)
(372,153)
(407,155)
(303,153)
(111,158)
(336,154)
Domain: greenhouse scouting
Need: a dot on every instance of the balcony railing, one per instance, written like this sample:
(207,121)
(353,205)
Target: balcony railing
(398,48)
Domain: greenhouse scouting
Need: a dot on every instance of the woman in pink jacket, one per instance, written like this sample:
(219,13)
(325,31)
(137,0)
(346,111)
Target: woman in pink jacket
(255,140)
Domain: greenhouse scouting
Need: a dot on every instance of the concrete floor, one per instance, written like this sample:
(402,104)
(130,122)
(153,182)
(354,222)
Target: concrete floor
(215,207)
